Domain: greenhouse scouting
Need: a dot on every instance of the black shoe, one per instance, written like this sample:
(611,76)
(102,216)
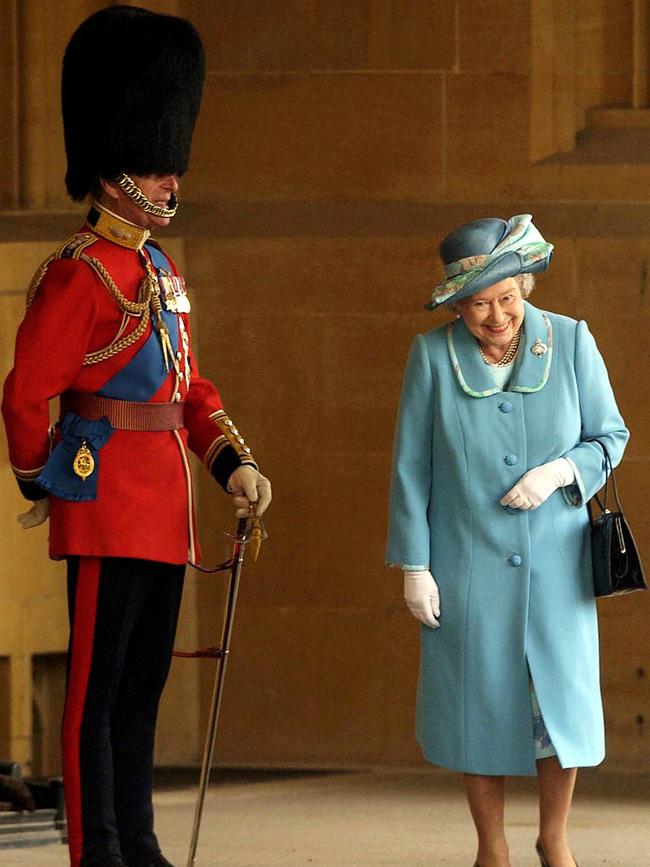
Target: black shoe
(144,860)
(540,853)
(542,857)
(160,861)
(105,861)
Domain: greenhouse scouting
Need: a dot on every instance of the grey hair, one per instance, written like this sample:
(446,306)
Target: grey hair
(526,283)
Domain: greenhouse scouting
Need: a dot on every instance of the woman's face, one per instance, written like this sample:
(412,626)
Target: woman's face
(494,315)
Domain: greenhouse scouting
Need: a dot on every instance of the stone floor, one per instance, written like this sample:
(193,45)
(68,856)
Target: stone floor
(373,818)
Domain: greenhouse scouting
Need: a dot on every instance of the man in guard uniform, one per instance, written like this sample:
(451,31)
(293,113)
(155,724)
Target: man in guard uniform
(107,330)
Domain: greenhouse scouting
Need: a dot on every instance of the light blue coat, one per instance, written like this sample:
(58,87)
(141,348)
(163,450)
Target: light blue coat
(516,588)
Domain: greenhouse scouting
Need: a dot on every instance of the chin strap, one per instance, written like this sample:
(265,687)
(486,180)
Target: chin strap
(134,192)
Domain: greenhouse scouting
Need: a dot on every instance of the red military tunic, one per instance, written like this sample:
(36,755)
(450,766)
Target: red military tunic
(143,508)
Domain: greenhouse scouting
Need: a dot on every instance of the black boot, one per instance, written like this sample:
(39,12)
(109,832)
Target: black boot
(160,861)
(103,861)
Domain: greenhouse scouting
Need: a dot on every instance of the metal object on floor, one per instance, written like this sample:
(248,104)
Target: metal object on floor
(32,811)
(248,530)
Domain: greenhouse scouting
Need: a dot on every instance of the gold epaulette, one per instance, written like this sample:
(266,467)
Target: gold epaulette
(229,436)
(73,248)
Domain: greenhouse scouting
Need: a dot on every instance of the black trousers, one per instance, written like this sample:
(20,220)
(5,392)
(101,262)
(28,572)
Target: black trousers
(123,617)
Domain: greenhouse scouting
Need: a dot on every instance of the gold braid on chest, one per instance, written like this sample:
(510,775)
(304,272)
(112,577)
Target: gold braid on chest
(148,302)
(146,292)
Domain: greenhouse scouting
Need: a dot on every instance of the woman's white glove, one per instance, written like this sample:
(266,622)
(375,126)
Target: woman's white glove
(38,514)
(422,597)
(248,486)
(537,485)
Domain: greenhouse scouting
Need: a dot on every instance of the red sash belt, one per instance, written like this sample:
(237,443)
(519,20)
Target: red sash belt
(124,414)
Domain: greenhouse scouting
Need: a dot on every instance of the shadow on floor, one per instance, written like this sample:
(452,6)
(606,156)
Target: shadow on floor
(180,778)
(592,782)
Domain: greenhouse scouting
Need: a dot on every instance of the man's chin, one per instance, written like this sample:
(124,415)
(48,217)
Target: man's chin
(157,222)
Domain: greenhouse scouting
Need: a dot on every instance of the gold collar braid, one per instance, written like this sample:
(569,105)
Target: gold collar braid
(114,228)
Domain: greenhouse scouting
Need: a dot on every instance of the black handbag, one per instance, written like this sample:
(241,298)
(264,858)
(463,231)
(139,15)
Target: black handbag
(616,561)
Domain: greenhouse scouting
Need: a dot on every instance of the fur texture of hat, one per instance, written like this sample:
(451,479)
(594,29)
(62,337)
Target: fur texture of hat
(131,89)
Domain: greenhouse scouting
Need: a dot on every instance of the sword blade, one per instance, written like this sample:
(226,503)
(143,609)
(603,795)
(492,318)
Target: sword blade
(219,681)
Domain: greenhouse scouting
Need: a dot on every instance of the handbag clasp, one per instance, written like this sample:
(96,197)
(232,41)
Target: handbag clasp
(621,539)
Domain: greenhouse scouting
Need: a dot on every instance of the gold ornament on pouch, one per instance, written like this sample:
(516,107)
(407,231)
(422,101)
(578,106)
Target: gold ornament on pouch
(84,463)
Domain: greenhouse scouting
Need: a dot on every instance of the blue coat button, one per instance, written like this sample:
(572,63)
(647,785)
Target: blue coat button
(515,560)
(511,460)
(505,406)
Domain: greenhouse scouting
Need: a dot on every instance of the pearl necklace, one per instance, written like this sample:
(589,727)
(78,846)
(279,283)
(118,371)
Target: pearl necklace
(511,351)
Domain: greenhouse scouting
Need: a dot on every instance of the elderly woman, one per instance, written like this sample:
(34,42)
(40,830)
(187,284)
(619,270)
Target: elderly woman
(494,462)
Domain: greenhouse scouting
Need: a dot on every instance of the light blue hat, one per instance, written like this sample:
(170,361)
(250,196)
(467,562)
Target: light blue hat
(483,252)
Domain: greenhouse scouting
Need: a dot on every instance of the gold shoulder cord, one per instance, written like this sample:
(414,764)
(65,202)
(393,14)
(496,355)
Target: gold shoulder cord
(71,249)
(132,308)
(74,249)
(37,279)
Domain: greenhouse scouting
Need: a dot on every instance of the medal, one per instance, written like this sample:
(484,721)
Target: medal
(180,295)
(167,290)
(183,302)
(173,292)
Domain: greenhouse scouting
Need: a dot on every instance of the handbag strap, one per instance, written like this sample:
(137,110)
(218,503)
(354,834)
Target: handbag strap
(609,472)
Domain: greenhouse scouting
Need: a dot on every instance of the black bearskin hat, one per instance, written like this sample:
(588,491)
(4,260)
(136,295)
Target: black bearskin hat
(131,89)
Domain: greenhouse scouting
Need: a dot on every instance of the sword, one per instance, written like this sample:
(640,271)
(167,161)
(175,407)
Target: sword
(249,530)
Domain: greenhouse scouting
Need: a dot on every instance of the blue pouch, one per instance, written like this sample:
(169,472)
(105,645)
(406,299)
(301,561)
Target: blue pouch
(81,439)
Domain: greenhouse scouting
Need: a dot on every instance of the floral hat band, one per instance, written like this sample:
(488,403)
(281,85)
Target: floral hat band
(487,251)
(469,263)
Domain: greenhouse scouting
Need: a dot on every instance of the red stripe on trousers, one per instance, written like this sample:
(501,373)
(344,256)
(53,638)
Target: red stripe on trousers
(81,654)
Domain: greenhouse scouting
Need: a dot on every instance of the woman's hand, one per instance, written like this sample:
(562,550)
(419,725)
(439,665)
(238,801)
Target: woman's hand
(422,597)
(37,515)
(248,486)
(537,485)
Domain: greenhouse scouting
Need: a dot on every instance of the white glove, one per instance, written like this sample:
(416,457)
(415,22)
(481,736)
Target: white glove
(422,597)
(249,486)
(537,485)
(37,515)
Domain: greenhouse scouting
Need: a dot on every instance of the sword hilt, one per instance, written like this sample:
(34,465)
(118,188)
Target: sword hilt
(250,531)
